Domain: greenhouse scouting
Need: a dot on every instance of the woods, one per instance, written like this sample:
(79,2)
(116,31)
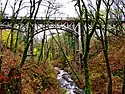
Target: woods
(35,38)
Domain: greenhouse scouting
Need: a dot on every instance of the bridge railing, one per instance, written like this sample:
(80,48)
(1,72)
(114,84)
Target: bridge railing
(44,18)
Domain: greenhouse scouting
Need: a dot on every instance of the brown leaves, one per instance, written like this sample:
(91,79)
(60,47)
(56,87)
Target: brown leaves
(32,76)
(98,69)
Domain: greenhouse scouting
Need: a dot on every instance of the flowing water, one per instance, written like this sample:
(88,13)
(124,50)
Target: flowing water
(67,83)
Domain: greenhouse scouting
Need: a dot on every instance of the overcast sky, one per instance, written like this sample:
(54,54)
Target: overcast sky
(67,8)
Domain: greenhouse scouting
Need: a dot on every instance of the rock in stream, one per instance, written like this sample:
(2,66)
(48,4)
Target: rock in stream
(67,83)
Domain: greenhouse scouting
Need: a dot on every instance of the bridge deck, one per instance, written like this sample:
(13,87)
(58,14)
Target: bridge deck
(39,20)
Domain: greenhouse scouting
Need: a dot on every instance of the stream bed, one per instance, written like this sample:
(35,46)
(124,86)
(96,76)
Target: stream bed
(67,83)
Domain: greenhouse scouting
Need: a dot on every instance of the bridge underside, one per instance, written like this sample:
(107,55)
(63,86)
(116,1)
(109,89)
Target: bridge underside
(40,25)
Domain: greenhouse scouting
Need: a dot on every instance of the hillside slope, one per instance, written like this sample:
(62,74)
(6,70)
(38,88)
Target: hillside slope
(97,65)
(34,79)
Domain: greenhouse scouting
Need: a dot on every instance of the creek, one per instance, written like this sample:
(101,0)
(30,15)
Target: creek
(67,83)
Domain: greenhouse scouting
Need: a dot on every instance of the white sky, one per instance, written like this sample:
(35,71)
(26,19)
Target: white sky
(68,8)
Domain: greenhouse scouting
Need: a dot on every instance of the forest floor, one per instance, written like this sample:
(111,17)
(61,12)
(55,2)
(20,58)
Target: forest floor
(42,79)
(97,66)
(35,79)
(98,70)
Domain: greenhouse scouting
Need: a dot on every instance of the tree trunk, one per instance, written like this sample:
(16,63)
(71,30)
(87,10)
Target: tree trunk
(41,51)
(123,86)
(11,38)
(1,48)
(87,75)
(31,44)
(108,71)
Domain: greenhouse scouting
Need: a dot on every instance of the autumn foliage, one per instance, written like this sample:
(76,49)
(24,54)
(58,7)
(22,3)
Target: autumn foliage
(34,79)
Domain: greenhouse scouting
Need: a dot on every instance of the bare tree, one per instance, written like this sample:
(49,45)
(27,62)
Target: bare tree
(86,35)
(104,29)
(51,10)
